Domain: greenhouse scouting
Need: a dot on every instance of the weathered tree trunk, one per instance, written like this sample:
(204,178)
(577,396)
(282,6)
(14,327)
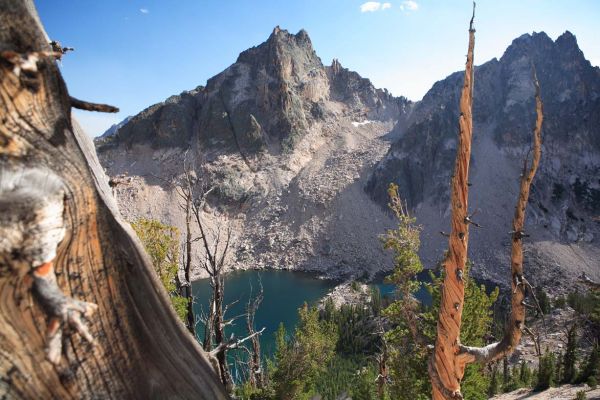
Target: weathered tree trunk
(255,370)
(444,371)
(141,349)
(519,284)
(186,194)
(219,330)
(450,357)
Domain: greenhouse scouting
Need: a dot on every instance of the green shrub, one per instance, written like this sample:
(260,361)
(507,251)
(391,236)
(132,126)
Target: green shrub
(229,188)
(591,367)
(560,302)
(162,245)
(543,300)
(546,371)
(580,395)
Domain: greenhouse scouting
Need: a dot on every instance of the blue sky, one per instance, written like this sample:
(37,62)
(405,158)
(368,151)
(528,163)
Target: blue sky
(134,53)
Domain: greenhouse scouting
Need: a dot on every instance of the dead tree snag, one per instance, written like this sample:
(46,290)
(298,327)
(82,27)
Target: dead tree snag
(450,357)
(444,369)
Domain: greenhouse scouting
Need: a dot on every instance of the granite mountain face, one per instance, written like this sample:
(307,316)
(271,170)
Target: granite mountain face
(285,142)
(300,155)
(563,216)
(266,101)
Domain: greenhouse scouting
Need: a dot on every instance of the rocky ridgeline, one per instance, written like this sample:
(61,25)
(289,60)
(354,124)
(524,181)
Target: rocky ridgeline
(287,144)
(300,155)
(565,200)
(266,101)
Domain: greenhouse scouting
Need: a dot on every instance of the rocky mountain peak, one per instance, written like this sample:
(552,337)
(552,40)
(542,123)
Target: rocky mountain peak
(566,195)
(538,45)
(282,48)
(567,39)
(266,101)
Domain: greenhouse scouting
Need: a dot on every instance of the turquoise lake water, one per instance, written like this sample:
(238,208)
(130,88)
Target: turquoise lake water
(284,293)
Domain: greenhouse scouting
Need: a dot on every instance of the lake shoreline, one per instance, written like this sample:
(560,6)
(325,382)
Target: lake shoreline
(316,274)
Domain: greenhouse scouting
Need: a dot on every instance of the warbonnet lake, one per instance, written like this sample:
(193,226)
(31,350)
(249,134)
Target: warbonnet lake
(284,292)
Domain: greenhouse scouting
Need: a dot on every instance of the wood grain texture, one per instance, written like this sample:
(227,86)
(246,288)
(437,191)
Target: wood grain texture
(142,350)
(445,373)
(450,357)
(519,284)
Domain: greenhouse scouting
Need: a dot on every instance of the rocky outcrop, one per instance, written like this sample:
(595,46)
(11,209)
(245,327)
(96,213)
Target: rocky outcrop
(266,101)
(286,142)
(565,201)
(114,128)
(290,145)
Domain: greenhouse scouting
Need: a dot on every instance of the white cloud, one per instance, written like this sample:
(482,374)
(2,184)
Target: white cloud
(371,6)
(144,11)
(409,5)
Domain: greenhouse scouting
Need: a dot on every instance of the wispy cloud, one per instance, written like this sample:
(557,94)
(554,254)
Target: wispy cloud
(409,5)
(144,11)
(372,6)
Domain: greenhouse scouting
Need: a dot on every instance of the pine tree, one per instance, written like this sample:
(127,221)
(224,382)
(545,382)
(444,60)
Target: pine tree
(524,375)
(376,301)
(162,242)
(569,372)
(591,369)
(494,387)
(302,359)
(559,372)
(543,300)
(546,371)
(505,374)
(414,325)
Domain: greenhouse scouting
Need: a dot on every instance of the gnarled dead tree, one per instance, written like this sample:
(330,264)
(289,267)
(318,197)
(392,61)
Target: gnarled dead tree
(444,372)
(256,375)
(187,196)
(70,247)
(448,362)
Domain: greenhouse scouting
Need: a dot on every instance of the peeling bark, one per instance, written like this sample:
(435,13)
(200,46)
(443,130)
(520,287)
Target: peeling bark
(450,358)
(444,368)
(141,349)
(519,284)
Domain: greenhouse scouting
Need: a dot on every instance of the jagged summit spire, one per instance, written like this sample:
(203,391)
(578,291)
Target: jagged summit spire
(336,66)
(300,38)
(281,42)
(567,38)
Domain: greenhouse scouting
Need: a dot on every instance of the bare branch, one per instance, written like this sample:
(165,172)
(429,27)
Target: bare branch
(85,105)
(233,344)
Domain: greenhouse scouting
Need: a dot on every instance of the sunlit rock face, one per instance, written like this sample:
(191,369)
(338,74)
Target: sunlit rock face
(265,101)
(286,144)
